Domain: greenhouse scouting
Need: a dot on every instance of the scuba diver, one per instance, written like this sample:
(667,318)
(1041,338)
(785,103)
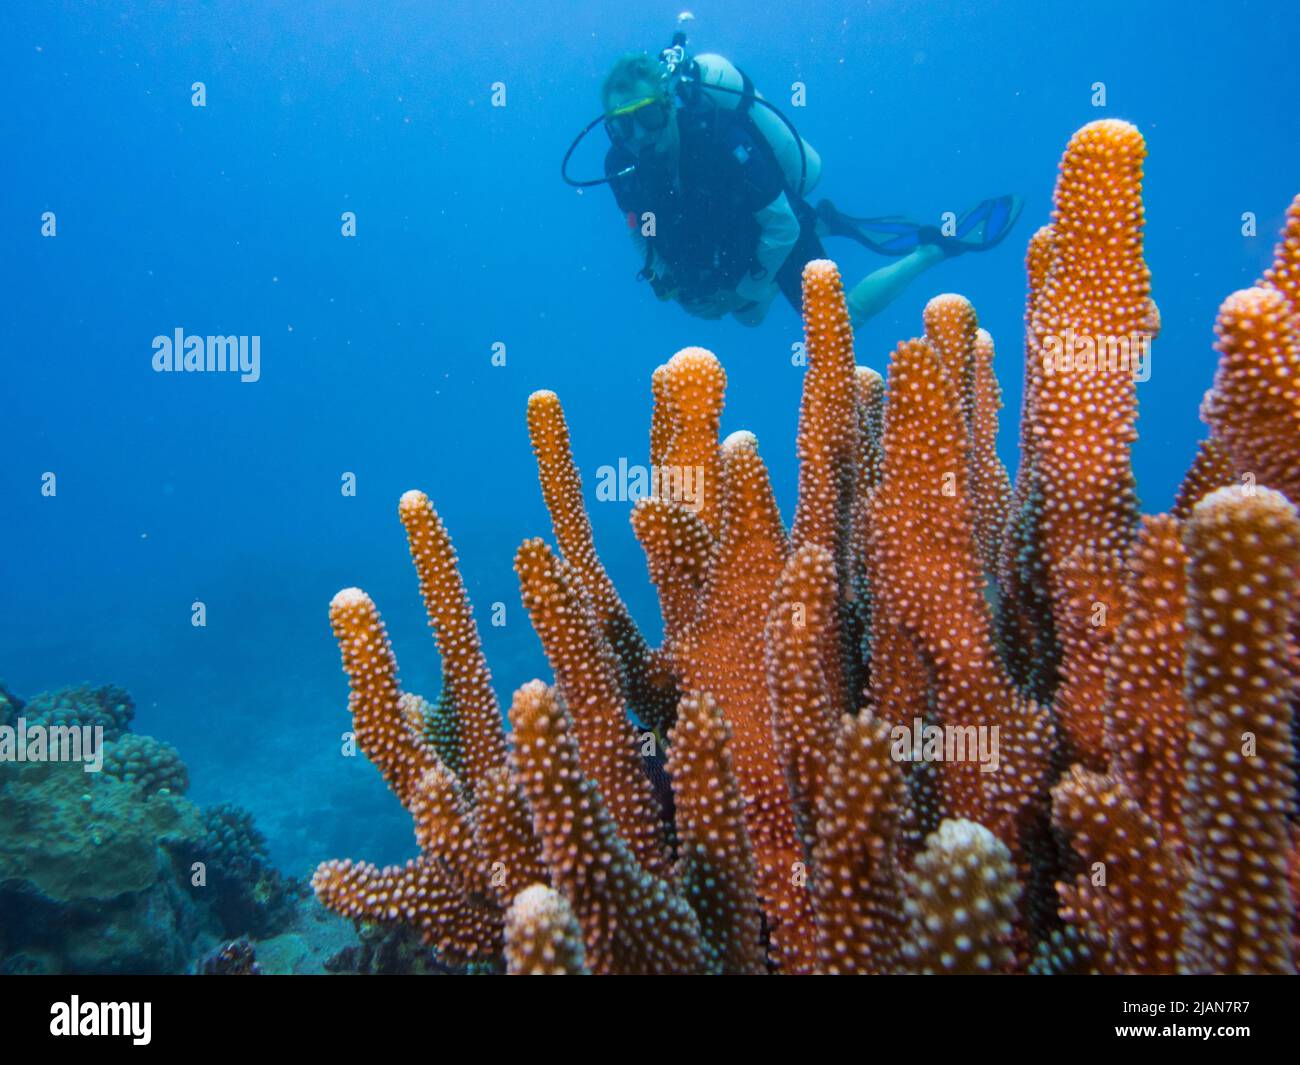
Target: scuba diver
(714,180)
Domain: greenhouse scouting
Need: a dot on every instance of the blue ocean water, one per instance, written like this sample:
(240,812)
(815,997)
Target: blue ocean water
(376,351)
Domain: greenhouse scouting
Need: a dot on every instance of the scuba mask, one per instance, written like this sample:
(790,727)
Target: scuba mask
(648,115)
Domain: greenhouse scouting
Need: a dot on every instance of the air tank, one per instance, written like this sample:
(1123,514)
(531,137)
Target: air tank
(720,71)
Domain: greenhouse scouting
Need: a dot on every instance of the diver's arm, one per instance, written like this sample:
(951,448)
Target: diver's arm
(778,234)
(658,269)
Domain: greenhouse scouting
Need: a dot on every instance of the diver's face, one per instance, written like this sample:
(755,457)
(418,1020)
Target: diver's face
(644,128)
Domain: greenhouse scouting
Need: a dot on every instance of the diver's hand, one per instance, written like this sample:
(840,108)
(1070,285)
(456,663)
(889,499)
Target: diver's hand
(664,287)
(711,307)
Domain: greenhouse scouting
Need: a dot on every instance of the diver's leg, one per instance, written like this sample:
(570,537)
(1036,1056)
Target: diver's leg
(881,287)
(789,278)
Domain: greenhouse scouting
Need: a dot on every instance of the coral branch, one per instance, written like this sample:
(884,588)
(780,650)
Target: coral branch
(929,583)
(1125,899)
(1212,468)
(1090,605)
(1284,274)
(1095,295)
(828,446)
(962,903)
(990,486)
(677,545)
(381,730)
(415,895)
(722,653)
(1254,406)
(1146,707)
(803,715)
(1244,549)
(858,882)
(716,864)
(465,672)
(950,328)
(693,387)
(542,935)
(632,921)
(647,689)
(508,852)
(587,674)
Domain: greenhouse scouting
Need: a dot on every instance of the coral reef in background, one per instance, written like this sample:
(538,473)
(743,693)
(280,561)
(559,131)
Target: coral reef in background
(151,765)
(946,723)
(108,706)
(117,871)
(249,894)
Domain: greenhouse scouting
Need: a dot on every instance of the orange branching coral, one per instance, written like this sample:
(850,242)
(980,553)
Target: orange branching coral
(503,832)
(1212,468)
(645,683)
(466,679)
(1244,549)
(586,671)
(901,697)
(950,327)
(1040,258)
(990,486)
(923,571)
(443,826)
(1254,406)
(1095,298)
(803,716)
(1125,827)
(966,354)
(1090,605)
(382,730)
(542,935)
(684,433)
(716,862)
(828,413)
(443,894)
(858,879)
(661,416)
(856,637)
(1125,897)
(1075,746)
(929,582)
(1025,618)
(828,446)
(1284,274)
(722,653)
(1146,707)
(415,895)
(677,545)
(871,417)
(632,921)
(962,903)
(1038,263)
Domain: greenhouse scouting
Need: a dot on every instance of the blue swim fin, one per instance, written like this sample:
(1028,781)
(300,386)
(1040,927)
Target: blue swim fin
(982,227)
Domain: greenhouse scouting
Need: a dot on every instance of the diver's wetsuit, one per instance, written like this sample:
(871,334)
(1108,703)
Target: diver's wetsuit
(706,233)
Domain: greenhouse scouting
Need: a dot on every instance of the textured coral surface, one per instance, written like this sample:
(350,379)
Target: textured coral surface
(948,722)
